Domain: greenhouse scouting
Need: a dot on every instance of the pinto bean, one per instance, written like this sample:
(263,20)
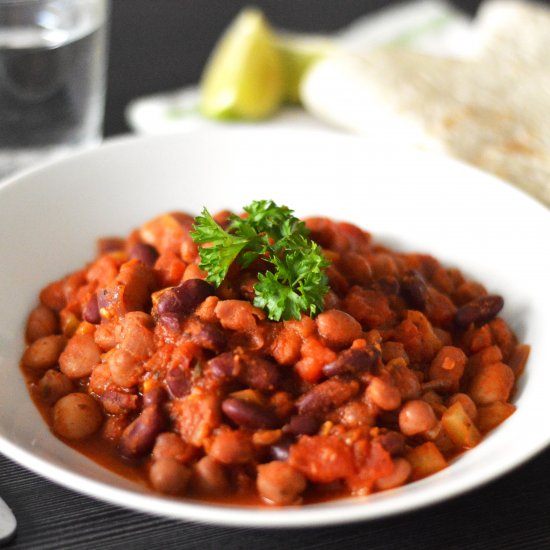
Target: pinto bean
(42,322)
(383,394)
(232,447)
(145,253)
(80,356)
(479,311)
(138,438)
(327,395)
(414,289)
(279,483)
(492,383)
(53,386)
(337,328)
(169,476)
(125,368)
(353,361)
(183,299)
(401,473)
(209,477)
(44,352)
(249,415)
(171,445)
(76,416)
(118,402)
(416,417)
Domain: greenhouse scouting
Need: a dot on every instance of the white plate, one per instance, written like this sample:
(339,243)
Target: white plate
(50,218)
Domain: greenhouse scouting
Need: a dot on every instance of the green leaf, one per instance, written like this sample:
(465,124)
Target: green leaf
(298,282)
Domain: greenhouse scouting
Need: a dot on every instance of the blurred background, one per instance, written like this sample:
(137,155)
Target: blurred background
(163,44)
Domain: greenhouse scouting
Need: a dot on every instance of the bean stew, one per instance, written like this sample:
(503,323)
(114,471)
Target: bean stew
(187,387)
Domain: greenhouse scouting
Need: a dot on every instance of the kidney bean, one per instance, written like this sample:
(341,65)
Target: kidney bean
(169,476)
(42,322)
(414,289)
(479,311)
(281,449)
(393,442)
(205,335)
(183,299)
(352,361)
(145,253)
(303,424)
(259,373)
(389,285)
(90,312)
(249,415)
(154,396)
(169,321)
(327,395)
(138,438)
(225,365)
(179,381)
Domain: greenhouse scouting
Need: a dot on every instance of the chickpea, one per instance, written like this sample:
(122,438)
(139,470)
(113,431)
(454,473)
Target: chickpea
(76,416)
(416,417)
(383,394)
(42,322)
(466,402)
(80,356)
(44,352)
(53,386)
(492,383)
(209,477)
(169,476)
(232,447)
(338,328)
(401,472)
(279,483)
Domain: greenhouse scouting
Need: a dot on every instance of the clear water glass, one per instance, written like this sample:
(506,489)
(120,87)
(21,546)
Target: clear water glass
(52,78)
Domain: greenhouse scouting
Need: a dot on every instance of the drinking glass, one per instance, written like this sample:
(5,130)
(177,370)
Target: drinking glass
(52,78)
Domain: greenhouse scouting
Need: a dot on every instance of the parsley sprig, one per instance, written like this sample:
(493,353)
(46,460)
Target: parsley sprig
(298,282)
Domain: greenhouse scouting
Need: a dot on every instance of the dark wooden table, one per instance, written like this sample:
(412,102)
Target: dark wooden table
(158,45)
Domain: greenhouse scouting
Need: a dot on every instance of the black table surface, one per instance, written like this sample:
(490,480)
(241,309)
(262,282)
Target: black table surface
(158,45)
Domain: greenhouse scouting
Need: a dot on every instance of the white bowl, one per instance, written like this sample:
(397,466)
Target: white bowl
(50,218)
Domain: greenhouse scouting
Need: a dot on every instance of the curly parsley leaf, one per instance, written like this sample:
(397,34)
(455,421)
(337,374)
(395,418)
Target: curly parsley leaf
(298,282)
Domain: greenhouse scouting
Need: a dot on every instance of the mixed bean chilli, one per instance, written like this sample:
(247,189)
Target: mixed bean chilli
(188,387)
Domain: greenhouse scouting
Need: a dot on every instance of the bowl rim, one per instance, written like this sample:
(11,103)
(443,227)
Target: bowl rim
(347,510)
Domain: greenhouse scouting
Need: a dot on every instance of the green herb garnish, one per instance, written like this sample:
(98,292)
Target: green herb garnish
(298,283)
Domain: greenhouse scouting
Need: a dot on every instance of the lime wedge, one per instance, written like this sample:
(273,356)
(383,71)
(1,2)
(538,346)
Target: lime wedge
(298,52)
(243,78)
